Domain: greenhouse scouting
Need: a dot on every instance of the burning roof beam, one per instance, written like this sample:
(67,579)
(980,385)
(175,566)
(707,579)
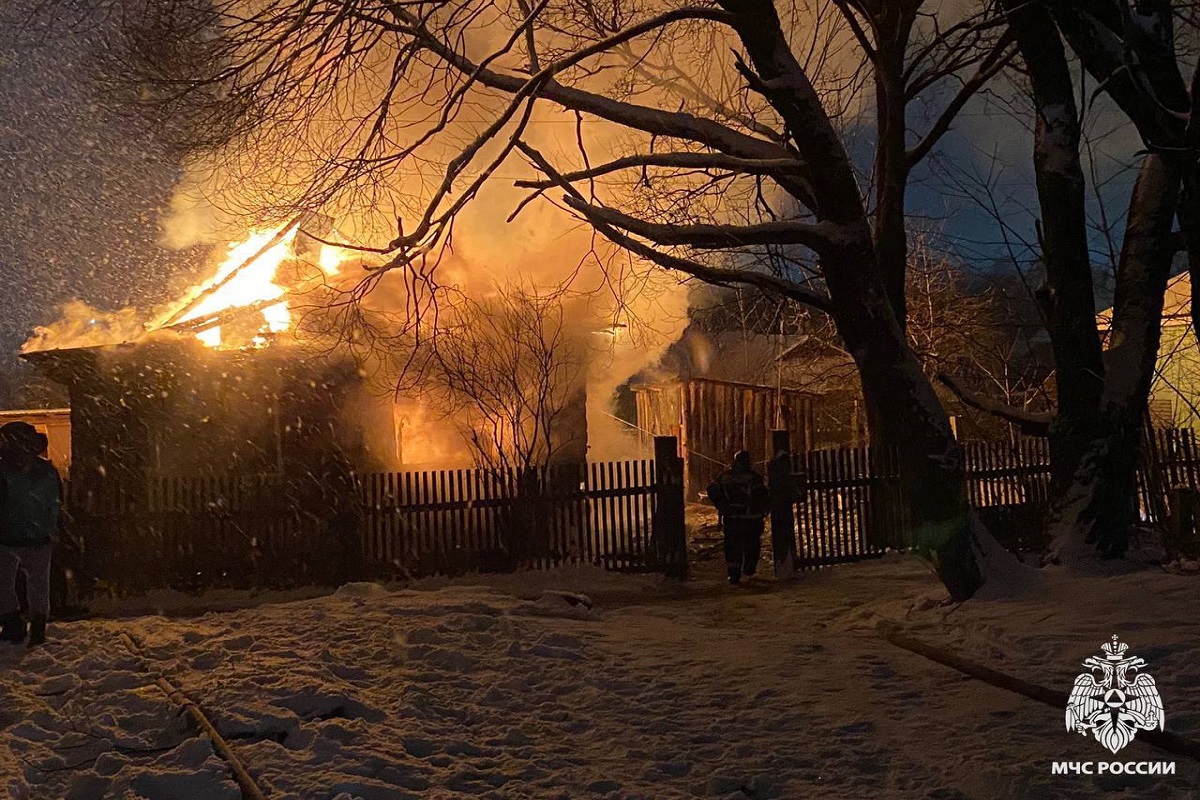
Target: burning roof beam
(279,236)
(224,316)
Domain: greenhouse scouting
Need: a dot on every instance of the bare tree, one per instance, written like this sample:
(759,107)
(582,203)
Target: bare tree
(1132,52)
(505,369)
(973,333)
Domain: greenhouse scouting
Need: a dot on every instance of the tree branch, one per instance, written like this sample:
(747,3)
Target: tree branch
(718,276)
(1111,61)
(654,121)
(998,59)
(682,160)
(820,237)
(775,73)
(860,34)
(1029,422)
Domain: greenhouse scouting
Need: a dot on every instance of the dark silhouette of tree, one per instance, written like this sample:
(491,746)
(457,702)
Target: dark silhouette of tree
(1135,53)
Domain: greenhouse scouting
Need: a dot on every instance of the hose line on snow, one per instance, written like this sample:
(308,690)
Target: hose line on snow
(250,789)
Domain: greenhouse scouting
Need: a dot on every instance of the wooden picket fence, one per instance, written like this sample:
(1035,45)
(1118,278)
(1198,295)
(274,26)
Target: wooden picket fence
(252,531)
(195,533)
(850,506)
(460,520)
(846,504)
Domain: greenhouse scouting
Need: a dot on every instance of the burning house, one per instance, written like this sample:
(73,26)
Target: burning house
(233,380)
(222,384)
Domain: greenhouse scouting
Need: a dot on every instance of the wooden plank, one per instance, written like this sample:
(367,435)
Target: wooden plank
(833,532)
(627,512)
(846,502)
(642,517)
(1192,452)
(825,508)
(560,514)
(583,518)
(404,522)
(377,521)
(475,522)
(611,519)
(862,544)
(840,466)
(804,509)
(637,534)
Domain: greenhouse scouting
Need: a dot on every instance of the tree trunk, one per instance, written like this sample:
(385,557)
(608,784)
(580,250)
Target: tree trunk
(896,389)
(910,417)
(1097,508)
(1102,397)
(1067,298)
(894,27)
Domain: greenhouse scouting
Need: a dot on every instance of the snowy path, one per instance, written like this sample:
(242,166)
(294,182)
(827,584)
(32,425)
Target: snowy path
(470,692)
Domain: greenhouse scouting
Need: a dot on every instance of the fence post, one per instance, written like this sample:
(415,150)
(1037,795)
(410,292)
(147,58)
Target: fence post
(1181,538)
(783,498)
(669,529)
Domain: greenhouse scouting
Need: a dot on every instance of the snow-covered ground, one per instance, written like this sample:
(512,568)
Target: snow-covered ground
(770,691)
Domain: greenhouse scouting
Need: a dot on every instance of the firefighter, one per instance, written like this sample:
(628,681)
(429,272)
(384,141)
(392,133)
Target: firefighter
(742,500)
(30,504)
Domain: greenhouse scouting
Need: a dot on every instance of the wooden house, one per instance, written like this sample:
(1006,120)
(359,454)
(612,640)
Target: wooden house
(1175,393)
(175,408)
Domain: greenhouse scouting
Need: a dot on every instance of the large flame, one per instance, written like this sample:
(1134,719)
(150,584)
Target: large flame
(247,276)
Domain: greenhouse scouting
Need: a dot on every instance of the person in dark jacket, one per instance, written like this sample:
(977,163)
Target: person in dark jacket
(741,498)
(30,504)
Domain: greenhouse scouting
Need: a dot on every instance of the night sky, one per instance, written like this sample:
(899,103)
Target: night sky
(81,190)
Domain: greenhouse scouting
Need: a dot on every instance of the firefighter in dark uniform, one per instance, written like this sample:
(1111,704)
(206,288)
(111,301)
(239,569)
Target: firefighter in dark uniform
(742,500)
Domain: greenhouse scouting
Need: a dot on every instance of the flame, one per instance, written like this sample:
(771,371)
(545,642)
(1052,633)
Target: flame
(252,283)
(244,280)
(331,258)
(210,337)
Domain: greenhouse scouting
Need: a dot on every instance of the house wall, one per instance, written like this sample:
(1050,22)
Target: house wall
(56,424)
(1175,393)
(715,419)
(170,409)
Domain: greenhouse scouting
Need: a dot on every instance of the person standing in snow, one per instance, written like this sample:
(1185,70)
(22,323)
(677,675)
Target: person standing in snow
(30,504)
(741,498)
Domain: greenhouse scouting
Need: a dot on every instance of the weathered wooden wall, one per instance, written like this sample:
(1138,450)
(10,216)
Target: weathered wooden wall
(714,419)
(163,409)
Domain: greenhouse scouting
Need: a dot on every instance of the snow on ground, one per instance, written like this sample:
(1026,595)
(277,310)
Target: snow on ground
(451,691)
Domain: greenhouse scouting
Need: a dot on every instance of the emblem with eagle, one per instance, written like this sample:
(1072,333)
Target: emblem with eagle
(1115,699)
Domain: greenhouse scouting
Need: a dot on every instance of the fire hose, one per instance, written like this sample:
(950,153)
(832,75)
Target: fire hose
(1163,740)
(250,789)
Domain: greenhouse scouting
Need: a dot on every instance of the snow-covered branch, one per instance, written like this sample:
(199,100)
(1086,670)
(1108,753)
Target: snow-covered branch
(821,237)
(1031,423)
